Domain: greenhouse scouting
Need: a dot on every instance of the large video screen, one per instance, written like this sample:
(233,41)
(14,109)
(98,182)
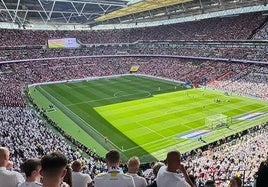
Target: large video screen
(63,43)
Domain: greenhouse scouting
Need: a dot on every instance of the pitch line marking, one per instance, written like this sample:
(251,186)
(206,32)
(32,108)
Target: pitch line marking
(150,129)
(155,141)
(141,92)
(107,98)
(79,118)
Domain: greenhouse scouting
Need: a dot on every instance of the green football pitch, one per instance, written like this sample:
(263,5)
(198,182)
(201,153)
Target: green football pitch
(144,116)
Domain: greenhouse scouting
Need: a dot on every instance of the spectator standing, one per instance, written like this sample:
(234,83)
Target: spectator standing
(8,178)
(53,169)
(80,179)
(168,176)
(156,168)
(31,168)
(133,166)
(113,177)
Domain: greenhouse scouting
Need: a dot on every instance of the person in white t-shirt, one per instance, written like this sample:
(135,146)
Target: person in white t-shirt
(133,166)
(80,179)
(31,168)
(113,177)
(167,175)
(8,178)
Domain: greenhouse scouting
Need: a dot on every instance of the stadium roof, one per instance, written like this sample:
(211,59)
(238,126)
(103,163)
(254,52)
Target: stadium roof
(97,13)
(56,11)
(141,6)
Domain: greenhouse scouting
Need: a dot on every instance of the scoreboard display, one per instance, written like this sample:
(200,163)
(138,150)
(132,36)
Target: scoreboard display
(63,43)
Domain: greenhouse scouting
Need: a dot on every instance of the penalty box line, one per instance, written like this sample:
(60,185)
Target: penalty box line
(80,118)
(156,141)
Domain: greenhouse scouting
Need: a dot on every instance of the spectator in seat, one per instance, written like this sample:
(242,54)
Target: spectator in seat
(31,168)
(80,179)
(8,178)
(53,169)
(168,176)
(113,177)
(133,166)
(156,168)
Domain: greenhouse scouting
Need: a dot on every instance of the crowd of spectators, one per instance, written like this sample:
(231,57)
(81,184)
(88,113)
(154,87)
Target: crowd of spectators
(239,53)
(251,81)
(262,33)
(232,158)
(228,28)
(28,137)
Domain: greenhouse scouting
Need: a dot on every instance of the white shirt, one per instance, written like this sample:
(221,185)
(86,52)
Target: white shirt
(138,180)
(114,179)
(10,178)
(169,179)
(30,184)
(80,179)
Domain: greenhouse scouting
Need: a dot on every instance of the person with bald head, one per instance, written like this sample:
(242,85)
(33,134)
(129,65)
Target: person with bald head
(8,178)
(168,175)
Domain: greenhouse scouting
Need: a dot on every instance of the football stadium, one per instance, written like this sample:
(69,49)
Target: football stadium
(163,93)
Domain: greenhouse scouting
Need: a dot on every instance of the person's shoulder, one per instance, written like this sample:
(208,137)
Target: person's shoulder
(15,173)
(34,184)
(126,176)
(101,175)
(139,177)
(162,170)
(83,174)
(183,183)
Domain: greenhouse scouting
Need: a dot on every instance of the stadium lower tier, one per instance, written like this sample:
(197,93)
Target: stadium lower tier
(247,79)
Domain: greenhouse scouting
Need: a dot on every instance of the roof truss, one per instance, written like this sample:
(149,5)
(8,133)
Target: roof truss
(56,11)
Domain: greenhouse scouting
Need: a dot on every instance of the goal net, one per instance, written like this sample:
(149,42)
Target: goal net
(216,121)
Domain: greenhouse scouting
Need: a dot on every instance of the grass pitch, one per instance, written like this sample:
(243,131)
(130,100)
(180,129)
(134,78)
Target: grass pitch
(144,116)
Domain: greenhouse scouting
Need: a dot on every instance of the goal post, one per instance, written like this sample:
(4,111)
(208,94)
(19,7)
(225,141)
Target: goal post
(216,121)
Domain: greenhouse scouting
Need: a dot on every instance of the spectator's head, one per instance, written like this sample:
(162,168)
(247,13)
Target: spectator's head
(53,168)
(68,177)
(192,178)
(133,164)
(156,167)
(4,157)
(77,165)
(31,168)
(173,160)
(235,182)
(112,158)
(210,183)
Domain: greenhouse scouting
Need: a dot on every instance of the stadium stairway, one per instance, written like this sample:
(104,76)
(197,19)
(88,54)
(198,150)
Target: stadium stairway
(251,36)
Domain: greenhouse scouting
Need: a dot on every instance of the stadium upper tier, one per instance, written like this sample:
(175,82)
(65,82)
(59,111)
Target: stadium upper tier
(199,51)
(227,28)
